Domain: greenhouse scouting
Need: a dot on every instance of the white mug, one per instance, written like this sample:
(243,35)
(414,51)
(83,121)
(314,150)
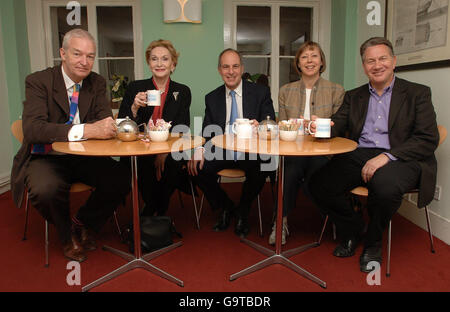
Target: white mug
(242,128)
(323,127)
(153,98)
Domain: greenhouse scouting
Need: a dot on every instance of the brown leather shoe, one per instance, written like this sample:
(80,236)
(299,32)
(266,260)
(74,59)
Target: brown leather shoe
(86,237)
(73,250)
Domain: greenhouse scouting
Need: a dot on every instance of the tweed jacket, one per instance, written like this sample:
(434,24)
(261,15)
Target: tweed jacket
(413,133)
(46,111)
(326,98)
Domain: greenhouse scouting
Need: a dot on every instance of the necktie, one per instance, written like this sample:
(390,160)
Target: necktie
(46,148)
(73,103)
(233,115)
(234,111)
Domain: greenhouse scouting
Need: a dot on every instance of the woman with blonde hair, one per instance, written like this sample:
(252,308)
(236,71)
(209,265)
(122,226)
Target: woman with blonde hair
(158,175)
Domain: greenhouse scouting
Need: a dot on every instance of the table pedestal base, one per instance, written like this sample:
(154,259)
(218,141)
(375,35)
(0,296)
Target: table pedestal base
(274,258)
(135,263)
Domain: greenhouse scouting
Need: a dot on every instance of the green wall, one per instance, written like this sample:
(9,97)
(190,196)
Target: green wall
(17,59)
(198,44)
(344,48)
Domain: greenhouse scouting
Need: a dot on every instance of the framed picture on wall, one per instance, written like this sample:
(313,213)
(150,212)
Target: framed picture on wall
(419,31)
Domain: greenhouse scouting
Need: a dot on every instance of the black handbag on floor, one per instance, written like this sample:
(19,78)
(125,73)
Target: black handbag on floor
(156,233)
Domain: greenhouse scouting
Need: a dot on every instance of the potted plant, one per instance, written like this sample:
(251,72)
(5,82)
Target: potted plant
(118,87)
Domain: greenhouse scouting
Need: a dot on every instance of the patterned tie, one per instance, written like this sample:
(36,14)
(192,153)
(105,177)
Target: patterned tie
(43,149)
(73,103)
(233,115)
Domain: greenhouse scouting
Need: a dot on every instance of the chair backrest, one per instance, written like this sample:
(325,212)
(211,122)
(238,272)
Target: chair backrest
(17,131)
(442,134)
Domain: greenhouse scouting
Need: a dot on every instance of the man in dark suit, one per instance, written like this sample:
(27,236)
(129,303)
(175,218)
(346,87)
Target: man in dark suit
(68,103)
(235,99)
(394,123)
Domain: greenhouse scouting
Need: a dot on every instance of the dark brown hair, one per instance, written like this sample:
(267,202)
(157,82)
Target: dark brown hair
(374,41)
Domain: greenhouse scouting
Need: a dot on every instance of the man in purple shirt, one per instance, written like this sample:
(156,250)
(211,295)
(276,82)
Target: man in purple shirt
(394,123)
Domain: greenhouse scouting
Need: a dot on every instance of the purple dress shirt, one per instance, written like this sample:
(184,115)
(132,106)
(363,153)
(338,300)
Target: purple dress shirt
(375,131)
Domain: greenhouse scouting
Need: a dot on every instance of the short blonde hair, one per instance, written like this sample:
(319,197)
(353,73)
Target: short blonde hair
(310,45)
(164,44)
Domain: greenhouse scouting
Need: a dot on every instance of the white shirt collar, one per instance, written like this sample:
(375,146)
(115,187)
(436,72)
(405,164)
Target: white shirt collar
(238,89)
(67,81)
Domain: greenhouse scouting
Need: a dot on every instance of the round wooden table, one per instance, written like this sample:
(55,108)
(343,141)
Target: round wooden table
(303,146)
(115,147)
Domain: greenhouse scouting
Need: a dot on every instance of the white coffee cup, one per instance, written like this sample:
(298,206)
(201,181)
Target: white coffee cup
(242,128)
(153,98)
(323,127)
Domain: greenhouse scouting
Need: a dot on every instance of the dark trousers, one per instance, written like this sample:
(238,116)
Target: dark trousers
(297,174)
(156,194)
(48,180)
(331,185)
(217,197)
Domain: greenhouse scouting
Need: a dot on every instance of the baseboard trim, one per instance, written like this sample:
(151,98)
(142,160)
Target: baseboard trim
(440,226)
(5,182)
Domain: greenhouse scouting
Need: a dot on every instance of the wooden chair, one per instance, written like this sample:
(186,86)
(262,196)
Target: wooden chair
(77,187)
(232,174)
(362,191)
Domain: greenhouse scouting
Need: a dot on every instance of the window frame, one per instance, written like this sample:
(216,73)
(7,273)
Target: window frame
(40,36)
(321,28)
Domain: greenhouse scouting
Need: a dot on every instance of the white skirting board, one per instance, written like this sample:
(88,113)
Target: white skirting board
(440,226)
(5,184)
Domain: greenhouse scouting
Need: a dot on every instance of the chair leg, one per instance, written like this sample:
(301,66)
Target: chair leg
(181,200)
(197,215)
(388,269)
(429,229)
(26,217)
(260,218)
(116,221)
(46,244)
(323,230)
(201,207)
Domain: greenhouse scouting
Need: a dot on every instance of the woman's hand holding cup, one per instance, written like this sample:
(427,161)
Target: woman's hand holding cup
(140,100)
(325,125)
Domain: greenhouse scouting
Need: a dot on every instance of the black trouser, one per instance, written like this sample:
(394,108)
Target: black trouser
(217,197)
(297,173)
(331,185)
(156,194)
(48,180)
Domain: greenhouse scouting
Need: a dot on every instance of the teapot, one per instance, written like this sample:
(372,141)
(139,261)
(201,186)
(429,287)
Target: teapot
(268,129)
(242,127)
(127,130)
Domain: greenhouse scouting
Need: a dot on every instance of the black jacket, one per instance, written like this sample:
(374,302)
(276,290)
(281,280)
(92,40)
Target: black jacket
(413,133)
(176,107)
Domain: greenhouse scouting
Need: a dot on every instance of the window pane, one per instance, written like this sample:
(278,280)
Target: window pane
(258,68)
(287,71)
(115,31)
(253,30)
(59,25)
(108,68)
(295,28)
